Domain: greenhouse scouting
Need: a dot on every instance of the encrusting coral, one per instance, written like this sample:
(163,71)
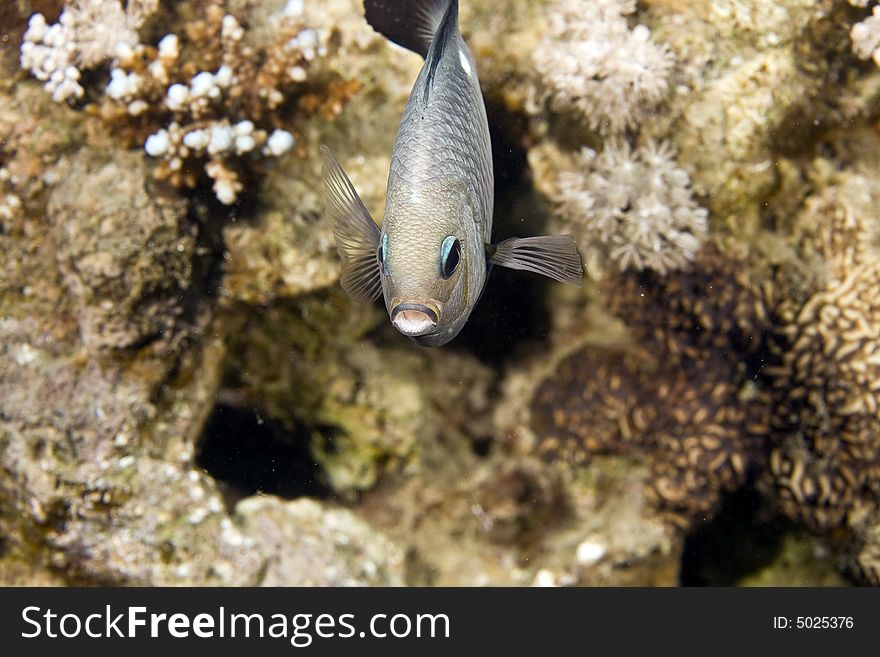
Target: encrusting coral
(742,372)
(592,64)
(682,398)
(636,203)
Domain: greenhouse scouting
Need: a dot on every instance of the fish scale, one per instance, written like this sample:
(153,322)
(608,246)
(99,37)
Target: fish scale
(435,139)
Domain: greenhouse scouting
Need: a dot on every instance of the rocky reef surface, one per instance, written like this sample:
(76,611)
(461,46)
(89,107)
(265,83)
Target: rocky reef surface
(188,397)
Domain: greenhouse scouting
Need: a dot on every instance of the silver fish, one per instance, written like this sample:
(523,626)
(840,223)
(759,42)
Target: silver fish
(432,255)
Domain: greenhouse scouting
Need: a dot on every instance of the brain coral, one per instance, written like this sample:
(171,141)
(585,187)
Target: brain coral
(687,406)
(826,463)
(717,304)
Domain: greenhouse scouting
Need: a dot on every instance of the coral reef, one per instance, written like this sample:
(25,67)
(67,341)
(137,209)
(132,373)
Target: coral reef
(366,410)
(209,101)
(219,107)
(718,305)
(88,33)
(166,273)
(829,466)
(63,414)
(759,83)
(333,547)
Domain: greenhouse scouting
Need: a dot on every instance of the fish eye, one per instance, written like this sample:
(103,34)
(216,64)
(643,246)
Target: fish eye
(381,252)
(450,255)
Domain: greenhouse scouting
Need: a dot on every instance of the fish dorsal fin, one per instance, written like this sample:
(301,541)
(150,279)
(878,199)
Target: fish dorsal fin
(408,23)
(356,234)
(448,27)
(554,256)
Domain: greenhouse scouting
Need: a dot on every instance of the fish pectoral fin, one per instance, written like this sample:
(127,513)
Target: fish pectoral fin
(554,256)
(408,23)
(356,234)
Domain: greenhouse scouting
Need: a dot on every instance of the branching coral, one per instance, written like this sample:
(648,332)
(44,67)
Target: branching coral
(203,101)
(88,33)
(637,204)
(591,63)
(687,407)
(218,105)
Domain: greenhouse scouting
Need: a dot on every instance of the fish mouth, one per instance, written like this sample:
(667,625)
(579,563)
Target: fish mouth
(414,319)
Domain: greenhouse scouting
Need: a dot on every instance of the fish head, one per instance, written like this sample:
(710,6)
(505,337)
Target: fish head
(433,268)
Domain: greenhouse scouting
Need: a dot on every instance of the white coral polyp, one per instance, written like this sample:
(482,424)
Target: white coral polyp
(169,47)
(177,97)
(222,138)
(158,144)
(197,140)
(123,86)
(224,76)
(638,204)
(226,185)
(865,36)
(279,142)
(225,192)
(202,84)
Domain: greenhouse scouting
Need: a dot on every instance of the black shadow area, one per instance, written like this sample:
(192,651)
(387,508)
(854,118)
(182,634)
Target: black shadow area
(250,454)
(743,538)
(512,310)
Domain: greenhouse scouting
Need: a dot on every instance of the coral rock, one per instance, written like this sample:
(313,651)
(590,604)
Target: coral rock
(309,544)
(126,253)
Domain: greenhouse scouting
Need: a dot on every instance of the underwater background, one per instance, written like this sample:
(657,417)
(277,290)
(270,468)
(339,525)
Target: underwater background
(188,397)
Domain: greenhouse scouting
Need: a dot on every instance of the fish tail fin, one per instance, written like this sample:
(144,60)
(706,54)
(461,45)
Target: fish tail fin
(554,256)
(355,232)
(409,23)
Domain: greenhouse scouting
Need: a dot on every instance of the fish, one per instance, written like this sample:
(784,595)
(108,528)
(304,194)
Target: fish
(432,255)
